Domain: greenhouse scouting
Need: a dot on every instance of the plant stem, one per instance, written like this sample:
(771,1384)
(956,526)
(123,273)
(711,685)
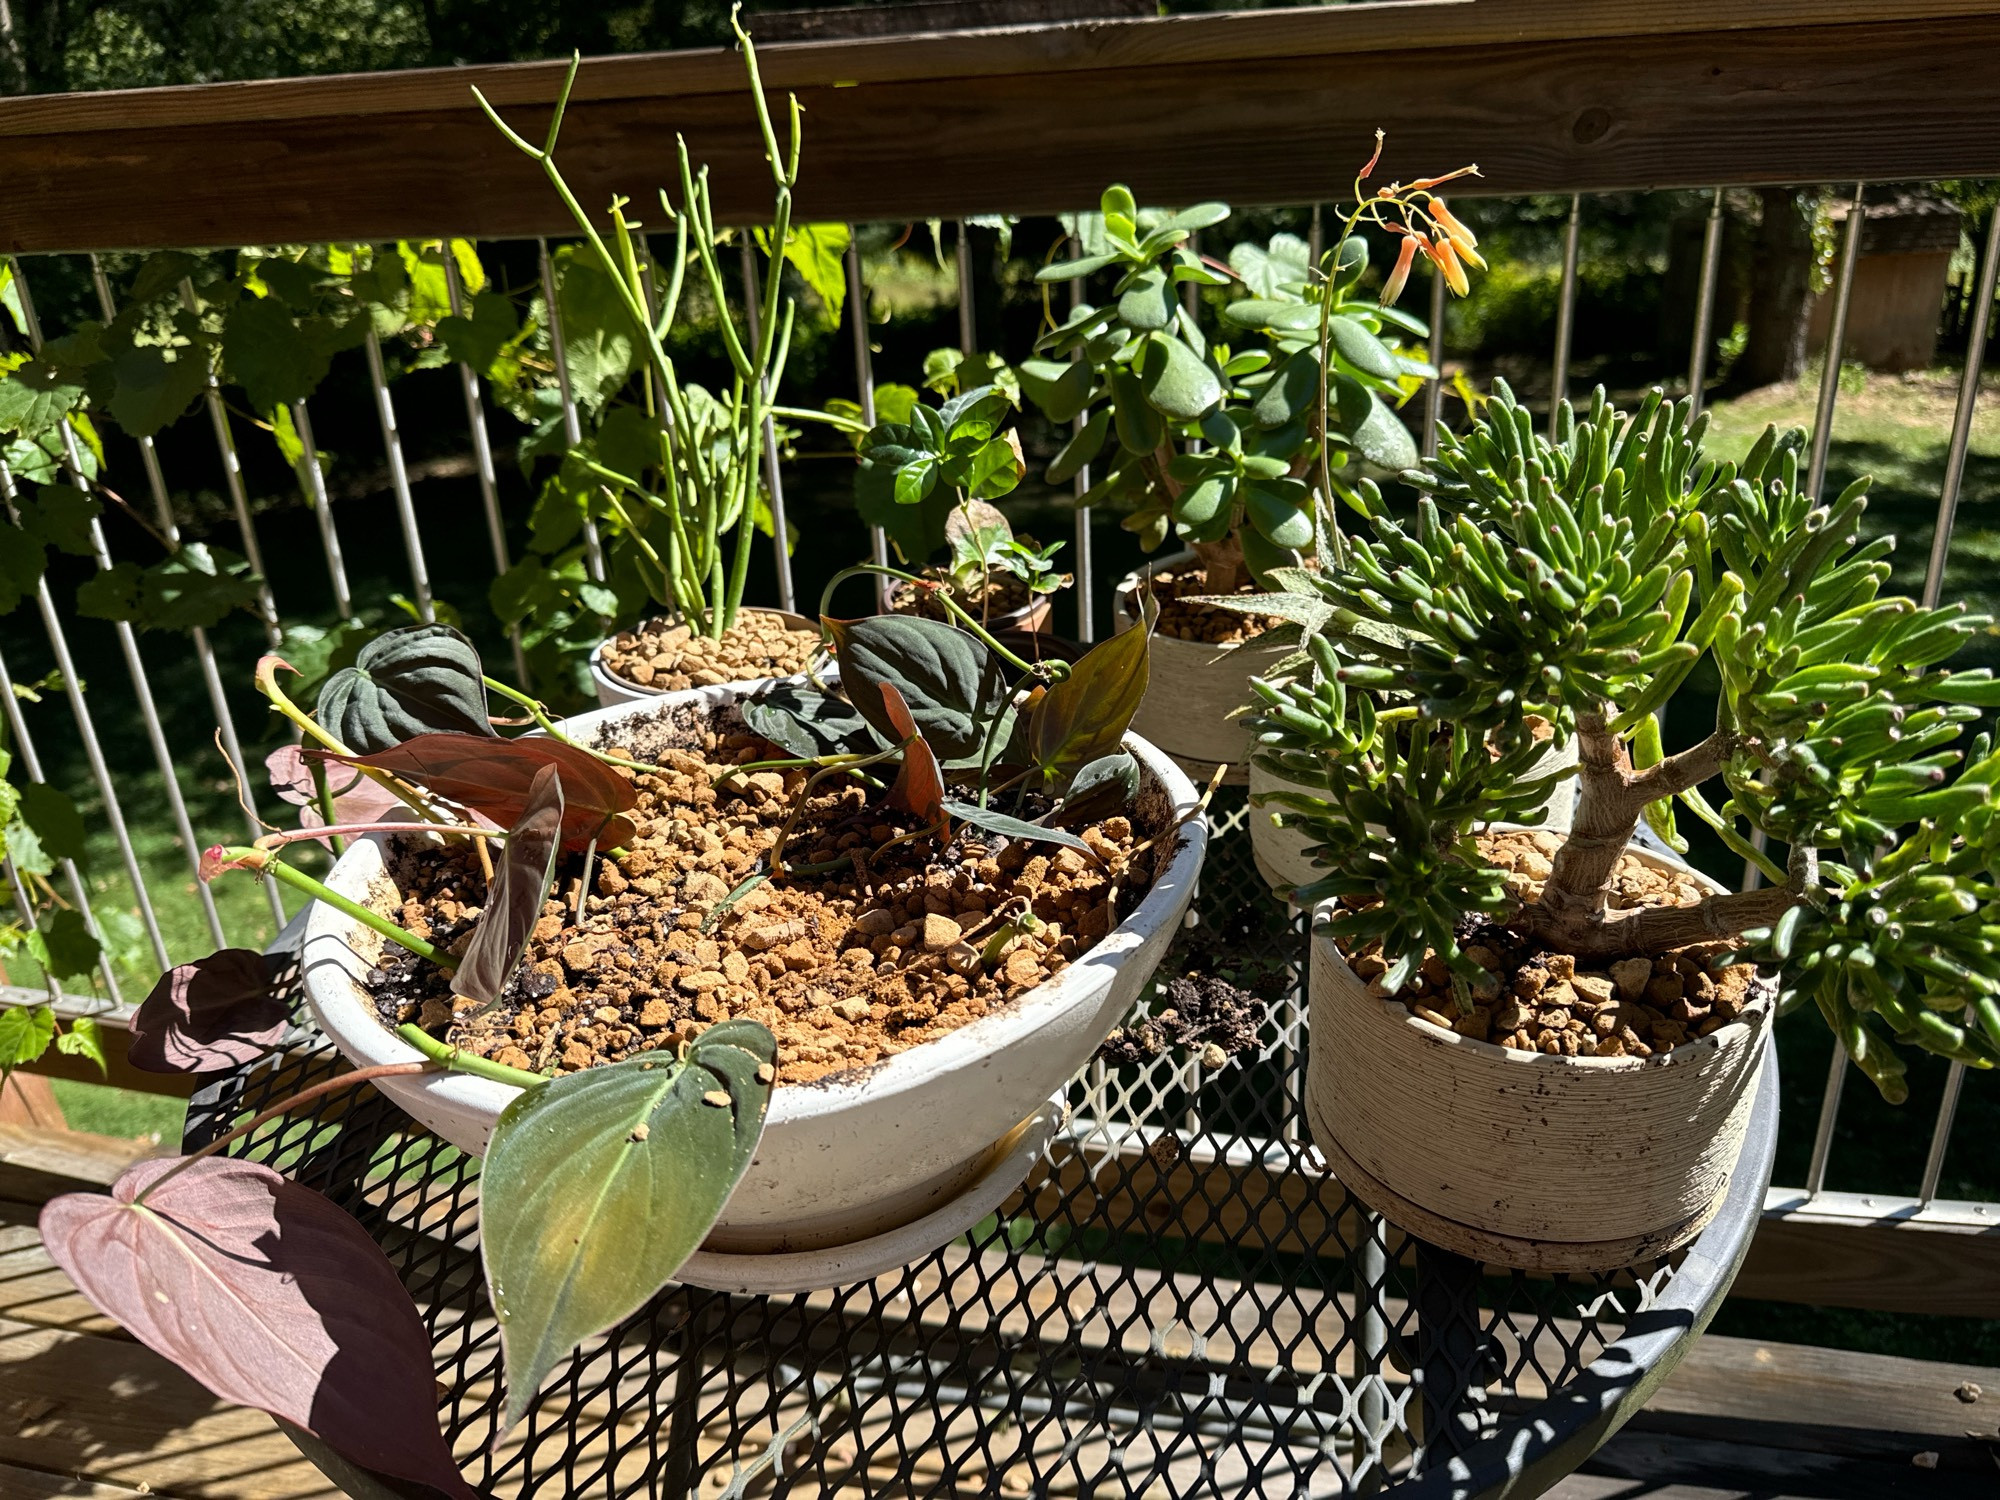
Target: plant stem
(538,712)
(443,1054)
(298,880)
(1054,670)
(303,1096)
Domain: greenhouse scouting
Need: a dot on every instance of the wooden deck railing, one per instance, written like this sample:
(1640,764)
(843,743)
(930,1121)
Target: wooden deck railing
(1569,96)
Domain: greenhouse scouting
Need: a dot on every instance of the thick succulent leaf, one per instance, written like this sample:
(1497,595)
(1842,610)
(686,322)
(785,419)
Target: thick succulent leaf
(1261,312)
(801,720)
(1087,443)
(1013,828)
(1084,717)
(1148,302)
(269,1296)
(1140,427)
(1069,270)
(406,683)
(1279,508)
(493,778)
(1060,388)
(1263,557)
(1361,349)
(919,786)
(1103,789)
(1292,388)
(1176,380)
(1377,434)
(521,882)
(218,1012)
(952,683)
(599,1184)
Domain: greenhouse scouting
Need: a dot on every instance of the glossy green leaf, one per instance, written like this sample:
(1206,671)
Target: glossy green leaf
(1176,380)
(1196,216)
(599,1184)
(25,1034)
(1361,349)
(801,720)
(405,683)
(1281,510)
(1084,717)
(952,683)
(1069,270)
(1260,312)
(1293,388)
(522,877)
(1140,428)
(1060,388)
(1083,446)
(1148,301)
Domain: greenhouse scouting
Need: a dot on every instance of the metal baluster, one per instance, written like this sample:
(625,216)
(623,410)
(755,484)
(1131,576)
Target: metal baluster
(968,332)
(25,905)
(1086,607)
(1191,291)
(1947,517)
(482,460)
(780,536)
(864,382)
(399,476)
(1316,235)
(593,546)
(211,676)
(1704,305)
(232,472)
(1565,312)
(135,667)
(1434,395)
(1829,1108)
(312,480)
(24,744)
(1836,336)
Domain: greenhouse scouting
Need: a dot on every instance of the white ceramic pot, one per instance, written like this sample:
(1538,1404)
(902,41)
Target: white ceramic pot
(613,690)
(1193,686)
(854,1155)
(1280,853)
(1518,1158)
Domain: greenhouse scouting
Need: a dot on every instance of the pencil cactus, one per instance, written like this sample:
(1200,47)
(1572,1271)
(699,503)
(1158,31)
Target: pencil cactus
(1582,579)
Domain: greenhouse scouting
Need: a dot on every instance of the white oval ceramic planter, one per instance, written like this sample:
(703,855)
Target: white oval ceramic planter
(1518,1158)
(1193,687)
(848,1157)
(613,690)
(1280,853)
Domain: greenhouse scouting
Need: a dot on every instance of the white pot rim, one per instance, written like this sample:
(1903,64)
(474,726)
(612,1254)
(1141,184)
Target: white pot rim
(1755,1015)
(370,1042)
(1124,604)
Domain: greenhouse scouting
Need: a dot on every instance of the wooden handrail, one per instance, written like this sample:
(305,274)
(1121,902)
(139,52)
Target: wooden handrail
(1255,107)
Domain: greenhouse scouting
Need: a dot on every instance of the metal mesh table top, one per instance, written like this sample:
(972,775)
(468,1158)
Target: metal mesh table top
(1179,1301)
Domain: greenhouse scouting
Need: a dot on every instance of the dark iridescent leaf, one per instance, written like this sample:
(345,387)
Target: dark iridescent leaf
(406,683)
(1103,789)
(218,1012)
(1013,828)
(521,882)
(952,683)
(802,720)
(1084,717)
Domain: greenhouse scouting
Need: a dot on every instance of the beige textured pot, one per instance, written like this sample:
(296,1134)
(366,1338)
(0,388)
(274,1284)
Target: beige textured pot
(1521,1159)
(613,689)
(1193,687)
(1280,853)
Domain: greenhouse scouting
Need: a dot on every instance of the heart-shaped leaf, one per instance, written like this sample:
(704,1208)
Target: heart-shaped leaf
(268,1295)
(952,683)
(919,786)
(218,1012)
(1103,789)
(521,884)
(599,1184)
(494,777)
(1084,717)
(1014,828)
(404,683)
(801,720)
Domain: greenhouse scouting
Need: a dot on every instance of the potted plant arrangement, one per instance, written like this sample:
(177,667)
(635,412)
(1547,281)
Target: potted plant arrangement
(768,972)
(1592,1016)
(671,469)
(928,479)
(1226,444)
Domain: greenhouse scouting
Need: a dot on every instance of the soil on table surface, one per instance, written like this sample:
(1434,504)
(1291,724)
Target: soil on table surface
(1184,620)
(1002,596)
(1537,1001)
(847,968)
(671,658)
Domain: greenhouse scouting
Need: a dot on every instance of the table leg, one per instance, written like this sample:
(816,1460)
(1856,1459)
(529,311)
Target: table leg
(1448,1352)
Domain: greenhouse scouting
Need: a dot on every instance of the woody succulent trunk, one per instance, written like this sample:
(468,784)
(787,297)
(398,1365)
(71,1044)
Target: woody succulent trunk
(1588,579)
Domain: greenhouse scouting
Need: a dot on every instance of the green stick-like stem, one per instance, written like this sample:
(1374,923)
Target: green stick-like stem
(265,862)
(459,1061)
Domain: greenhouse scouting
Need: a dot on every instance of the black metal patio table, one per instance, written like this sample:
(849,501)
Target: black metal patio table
(1180,1301)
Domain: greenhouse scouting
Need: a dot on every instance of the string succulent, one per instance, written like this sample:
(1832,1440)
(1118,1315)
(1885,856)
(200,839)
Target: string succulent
(1581,580)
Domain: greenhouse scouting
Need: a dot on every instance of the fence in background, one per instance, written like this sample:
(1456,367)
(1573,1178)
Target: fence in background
(1258,107)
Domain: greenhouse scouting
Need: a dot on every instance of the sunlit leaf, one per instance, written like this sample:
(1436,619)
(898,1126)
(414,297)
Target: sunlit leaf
(801,720)
(405,683)
(1013,828)
(83,1037)
(217,1012)
(36,397)
(522,877)
(919,786)
(1084,717)
(599,1184)
(269,1296)
(952,683)
(25,1034)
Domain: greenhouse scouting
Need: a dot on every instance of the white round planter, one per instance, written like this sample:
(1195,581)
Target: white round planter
(856,1155)
(1518,1158)
(1193,687)
(613,690)
(1280,852)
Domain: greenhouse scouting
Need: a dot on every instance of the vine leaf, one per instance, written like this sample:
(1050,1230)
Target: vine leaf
(404,683)
(493,777)
(25,1034)
(919,787)
(268,1295)
(952,683)
(527,870)
(217,1012)
(599,1184)
(1084,717)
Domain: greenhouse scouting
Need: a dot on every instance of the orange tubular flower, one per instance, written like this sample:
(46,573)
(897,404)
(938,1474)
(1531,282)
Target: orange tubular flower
(1463,240)
(1446,257)
(1363,177)
(1393,287)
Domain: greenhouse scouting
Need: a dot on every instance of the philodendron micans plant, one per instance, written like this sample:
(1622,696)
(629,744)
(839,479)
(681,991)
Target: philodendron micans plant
(1226,443)
(1583,579)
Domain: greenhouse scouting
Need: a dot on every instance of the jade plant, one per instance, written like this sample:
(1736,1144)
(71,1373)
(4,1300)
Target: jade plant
(1591,579)
(1226,438)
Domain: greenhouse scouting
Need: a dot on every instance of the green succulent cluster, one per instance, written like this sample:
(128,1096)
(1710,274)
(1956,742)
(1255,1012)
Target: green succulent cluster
(1580,580)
